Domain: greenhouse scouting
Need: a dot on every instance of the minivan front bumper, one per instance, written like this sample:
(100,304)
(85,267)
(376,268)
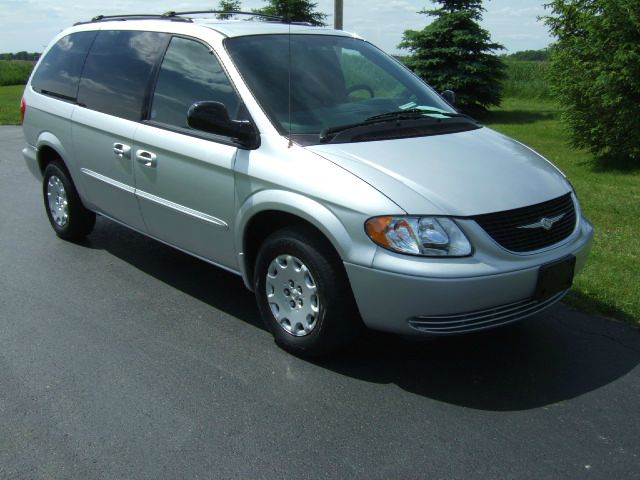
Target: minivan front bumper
(409,304)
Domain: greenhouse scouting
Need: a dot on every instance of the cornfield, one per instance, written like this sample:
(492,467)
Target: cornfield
(15,72)
(526,79)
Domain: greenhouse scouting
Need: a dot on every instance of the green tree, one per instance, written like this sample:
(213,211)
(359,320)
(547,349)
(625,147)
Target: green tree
(454,52)
(595,73)
(228,6)
(295,10)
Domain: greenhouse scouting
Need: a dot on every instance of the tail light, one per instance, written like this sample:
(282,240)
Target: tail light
(23,108)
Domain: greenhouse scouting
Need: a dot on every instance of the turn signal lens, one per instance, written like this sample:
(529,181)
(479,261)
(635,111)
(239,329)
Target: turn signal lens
(376,229)
(23,109)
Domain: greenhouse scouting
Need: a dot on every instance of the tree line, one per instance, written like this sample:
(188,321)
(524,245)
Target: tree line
(541,55)
(26,56)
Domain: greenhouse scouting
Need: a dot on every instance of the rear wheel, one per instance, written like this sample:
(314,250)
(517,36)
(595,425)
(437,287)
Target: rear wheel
(65,211)
(303,293)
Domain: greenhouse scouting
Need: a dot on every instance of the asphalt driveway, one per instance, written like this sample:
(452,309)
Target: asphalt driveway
(123,358)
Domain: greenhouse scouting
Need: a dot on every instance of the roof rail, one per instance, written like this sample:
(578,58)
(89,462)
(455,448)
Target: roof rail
(136,16)
(184,16)
(225,12)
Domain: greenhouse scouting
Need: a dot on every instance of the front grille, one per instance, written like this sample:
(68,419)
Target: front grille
(482,319)
(504,226)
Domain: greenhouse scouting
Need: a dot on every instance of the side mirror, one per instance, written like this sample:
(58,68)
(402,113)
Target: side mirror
(449,96)
(212,117)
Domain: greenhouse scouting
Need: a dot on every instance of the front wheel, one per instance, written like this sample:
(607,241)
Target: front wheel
(65,211)
(303,293)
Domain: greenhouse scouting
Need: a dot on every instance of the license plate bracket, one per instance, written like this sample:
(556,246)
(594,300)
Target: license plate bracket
(555,277)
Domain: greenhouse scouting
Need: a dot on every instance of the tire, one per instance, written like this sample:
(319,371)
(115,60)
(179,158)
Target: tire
(65,211)
(303,293)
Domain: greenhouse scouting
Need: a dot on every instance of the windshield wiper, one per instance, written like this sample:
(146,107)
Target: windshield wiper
(412,113)
(409,114)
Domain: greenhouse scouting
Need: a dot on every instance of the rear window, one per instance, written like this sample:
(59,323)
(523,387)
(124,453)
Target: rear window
(59,71)
(117,72)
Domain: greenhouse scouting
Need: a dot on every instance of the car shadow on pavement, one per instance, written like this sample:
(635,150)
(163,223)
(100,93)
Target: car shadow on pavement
(554,356)
(212,285)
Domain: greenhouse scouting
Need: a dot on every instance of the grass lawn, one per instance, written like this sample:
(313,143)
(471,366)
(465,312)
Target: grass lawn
(610,198)
(10,104)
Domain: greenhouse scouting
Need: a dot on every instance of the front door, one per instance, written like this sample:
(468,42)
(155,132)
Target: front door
(184,178)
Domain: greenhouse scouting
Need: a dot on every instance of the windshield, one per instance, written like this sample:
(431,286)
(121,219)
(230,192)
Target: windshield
(335,81)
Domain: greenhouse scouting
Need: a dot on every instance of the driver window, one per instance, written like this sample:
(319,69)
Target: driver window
(190,73)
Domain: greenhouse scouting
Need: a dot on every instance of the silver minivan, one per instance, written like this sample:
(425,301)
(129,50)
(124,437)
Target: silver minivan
(342,188)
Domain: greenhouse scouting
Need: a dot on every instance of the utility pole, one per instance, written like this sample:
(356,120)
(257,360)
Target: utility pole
(337,15)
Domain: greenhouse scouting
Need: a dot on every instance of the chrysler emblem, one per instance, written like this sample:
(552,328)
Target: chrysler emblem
(544,222)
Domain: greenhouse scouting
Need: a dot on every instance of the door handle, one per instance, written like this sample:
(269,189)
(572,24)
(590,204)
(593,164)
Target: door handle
(121,150)
(147,159)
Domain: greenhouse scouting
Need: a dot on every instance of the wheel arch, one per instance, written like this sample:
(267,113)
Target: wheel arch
(270,210)
(50,149)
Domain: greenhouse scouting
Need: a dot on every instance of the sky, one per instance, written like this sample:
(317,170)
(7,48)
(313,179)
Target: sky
(30,24)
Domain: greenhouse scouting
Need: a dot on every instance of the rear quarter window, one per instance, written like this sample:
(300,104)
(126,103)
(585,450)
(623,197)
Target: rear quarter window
(59,71)
(118,70)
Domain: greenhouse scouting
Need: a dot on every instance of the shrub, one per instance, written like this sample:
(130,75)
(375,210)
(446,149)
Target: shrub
(595,73)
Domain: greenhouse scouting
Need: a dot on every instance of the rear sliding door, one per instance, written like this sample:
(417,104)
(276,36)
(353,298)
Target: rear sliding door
(112,96)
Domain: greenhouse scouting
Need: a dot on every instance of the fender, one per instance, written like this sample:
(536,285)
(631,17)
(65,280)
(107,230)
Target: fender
(48,139)
(306,208)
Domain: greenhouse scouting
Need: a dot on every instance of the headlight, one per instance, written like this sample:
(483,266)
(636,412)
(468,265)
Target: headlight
(426,236)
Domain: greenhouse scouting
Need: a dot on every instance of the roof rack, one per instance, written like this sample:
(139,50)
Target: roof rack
(137,16)
(224,12)
(184,16)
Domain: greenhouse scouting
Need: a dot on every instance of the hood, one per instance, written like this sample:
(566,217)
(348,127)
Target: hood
(460,174)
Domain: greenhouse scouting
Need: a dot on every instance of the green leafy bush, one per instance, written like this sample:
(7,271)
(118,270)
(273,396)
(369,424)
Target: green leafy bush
(595,73)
